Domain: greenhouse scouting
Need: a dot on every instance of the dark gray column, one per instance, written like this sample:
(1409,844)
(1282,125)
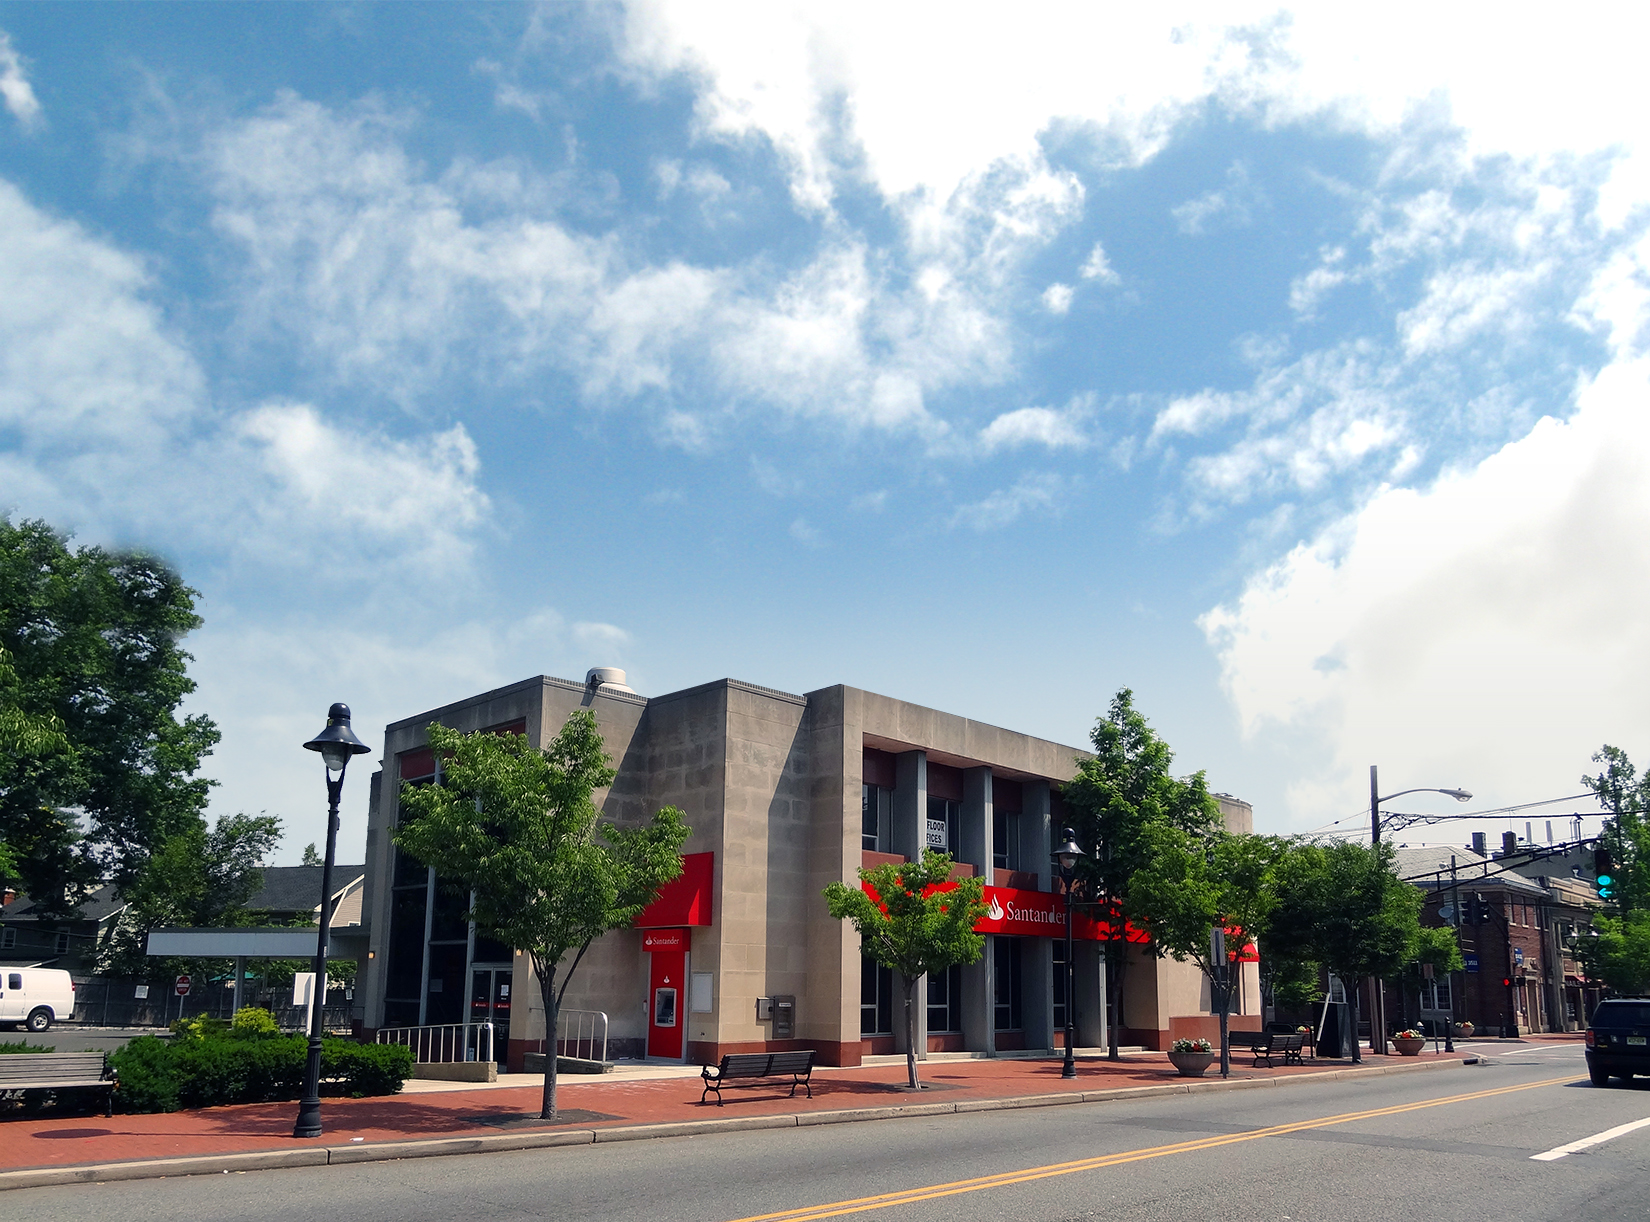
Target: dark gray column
(1036,838)
(1091,995)
(909,809)
(975,848)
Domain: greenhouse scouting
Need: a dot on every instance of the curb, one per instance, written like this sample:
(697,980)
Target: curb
(264,1160)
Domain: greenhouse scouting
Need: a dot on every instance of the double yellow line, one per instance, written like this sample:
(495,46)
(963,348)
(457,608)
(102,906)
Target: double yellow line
(1025,1175)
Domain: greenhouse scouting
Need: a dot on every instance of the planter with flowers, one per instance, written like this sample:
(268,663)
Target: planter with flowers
(1191,1057)
(1409,1042)
(1464,1030)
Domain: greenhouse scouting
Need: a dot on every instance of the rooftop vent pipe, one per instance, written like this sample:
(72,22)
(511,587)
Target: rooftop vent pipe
(609,677)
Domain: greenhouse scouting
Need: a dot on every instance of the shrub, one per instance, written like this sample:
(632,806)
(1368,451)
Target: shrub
(1199,1045)
(25,1046)
(252,1022)
(216,1068)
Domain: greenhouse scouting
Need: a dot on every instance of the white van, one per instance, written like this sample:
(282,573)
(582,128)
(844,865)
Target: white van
(37,997)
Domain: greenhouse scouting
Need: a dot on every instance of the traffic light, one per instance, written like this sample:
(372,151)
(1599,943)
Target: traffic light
(1506,982)
(1605,869)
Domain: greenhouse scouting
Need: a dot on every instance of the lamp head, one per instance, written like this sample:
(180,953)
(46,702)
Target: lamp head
(1065,857)
(337,742)
(1460,795)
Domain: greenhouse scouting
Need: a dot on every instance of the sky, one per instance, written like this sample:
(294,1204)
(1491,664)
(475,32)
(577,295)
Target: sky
(1287,366)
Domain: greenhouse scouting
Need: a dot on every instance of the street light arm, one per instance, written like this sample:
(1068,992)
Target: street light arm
(1460,795)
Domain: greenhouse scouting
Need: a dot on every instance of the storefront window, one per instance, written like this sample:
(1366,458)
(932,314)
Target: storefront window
(1059,948)
(945,1002)
(1006,981)
(944,826)
(1005,840)
(876,998)
(874,828)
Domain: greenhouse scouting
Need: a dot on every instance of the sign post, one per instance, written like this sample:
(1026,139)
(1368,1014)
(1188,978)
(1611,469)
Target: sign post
(182,988)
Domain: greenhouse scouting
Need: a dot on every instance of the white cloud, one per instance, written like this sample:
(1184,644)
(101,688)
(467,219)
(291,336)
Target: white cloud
(806,534)
(414,499)
(1056,429)
(15,88)
(1031,492)
(1230,207)
(1098,267)
(116,431)
(1057,298)
(1484,631)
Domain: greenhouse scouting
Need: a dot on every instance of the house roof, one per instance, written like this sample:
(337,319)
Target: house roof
(298,888)
(284,889)
(98,906)
(1422,867)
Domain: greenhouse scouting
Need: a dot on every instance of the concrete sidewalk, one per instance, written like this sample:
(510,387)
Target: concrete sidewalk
(656,1101)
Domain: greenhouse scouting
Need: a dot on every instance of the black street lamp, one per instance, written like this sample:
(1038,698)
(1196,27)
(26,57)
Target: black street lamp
(1065,858)
(336,744)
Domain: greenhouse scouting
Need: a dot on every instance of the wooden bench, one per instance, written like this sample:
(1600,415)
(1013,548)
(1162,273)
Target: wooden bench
(756,1065)
(1265,1043)
(58,1071)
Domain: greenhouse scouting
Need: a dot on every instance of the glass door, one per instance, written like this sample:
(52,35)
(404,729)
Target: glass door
(490,1002)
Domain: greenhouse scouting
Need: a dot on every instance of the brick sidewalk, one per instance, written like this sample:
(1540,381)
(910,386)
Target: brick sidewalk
(586,1105)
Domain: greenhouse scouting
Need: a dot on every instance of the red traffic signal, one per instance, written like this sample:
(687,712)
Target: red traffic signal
(1506,982)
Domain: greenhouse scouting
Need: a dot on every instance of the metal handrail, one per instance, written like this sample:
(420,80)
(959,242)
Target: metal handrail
(582,1034)
(443,1044)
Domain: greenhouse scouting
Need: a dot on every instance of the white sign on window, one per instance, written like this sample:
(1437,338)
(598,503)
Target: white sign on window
(936,835)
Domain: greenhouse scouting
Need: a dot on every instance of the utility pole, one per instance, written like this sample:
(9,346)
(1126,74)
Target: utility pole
(1455,920)
(1377,1009)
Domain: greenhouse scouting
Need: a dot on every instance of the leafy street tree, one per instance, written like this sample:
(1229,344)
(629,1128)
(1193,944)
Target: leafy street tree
(1620,955)
(913,927)
(1626,833)
(1115,798)
(198,877)
(1343,906)
(310,857)
(91,677)
(516,828)
(1188,888)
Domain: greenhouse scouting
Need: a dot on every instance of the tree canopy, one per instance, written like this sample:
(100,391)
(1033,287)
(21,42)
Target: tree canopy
(1119,794)
(913,926)
(96,768)
(516,829)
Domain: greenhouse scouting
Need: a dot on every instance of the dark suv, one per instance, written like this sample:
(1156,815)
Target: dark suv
(1618,1039)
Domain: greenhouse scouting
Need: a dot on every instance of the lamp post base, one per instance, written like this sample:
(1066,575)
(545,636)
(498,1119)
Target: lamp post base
(309,1118)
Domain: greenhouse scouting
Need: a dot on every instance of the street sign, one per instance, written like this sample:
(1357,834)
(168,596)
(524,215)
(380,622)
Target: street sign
(1518,955)
(1472,961)
(183,986)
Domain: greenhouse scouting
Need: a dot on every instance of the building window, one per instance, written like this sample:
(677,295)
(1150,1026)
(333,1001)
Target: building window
(1435,994)
(62,945)
(1059,948)
(1005,840)
(8,938)
(944,826)
(945,1002)
(876,998)
(874,825)
(1006,981)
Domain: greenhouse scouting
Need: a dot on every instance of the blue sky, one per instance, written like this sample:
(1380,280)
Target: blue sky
(1286,367)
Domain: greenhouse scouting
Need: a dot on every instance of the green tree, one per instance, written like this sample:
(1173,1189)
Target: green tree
(1620,955)
(1120,793)
(1188,888)
(516,828)
(1626,833)
(200,877)
(310,857)
(913,928)
(91,677)
(1343,906)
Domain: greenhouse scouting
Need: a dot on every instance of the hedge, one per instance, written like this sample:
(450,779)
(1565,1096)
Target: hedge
(158,1075)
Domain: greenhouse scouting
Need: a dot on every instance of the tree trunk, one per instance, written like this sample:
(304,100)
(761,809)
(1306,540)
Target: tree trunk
(547,985)
(910,985)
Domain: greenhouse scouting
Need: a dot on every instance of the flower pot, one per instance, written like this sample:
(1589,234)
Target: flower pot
(1191,1064)
(1408,1048)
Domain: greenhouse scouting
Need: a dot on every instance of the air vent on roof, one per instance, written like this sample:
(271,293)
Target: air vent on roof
(607,678)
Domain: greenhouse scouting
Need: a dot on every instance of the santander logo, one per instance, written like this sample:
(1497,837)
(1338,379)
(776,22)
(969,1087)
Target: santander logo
(995,912)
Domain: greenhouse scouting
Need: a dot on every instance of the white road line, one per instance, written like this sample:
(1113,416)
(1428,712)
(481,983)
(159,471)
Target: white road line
(1547,1156)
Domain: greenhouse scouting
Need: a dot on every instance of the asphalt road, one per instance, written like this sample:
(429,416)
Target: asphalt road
(72,1037)
(1455,1143)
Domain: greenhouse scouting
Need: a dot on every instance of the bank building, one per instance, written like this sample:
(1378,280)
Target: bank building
(784,793)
